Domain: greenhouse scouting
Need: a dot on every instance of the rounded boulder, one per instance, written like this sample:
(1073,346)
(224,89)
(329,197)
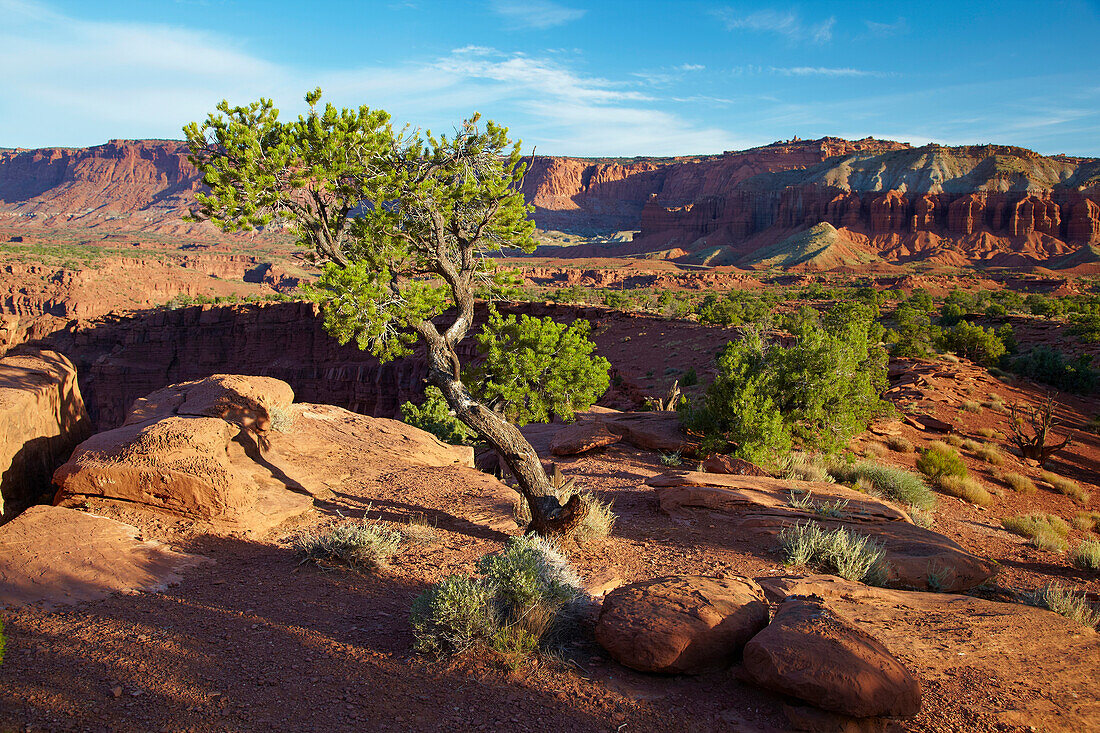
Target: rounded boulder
(681,624)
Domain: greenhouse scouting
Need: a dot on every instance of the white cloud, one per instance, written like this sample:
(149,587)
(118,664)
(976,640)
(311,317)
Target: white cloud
(537,14)
(69,81)
(899,26)
(805,71)
(788,24)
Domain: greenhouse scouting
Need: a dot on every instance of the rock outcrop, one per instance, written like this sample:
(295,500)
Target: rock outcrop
(55,556)
(194,450)
(42,418)
(759,507)
(811,653)
(681,624)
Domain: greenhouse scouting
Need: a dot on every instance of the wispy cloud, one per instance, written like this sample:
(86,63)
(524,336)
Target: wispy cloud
(669,75)
(832,71)
(70,81)
(538,14)
(788,24)
(887,29)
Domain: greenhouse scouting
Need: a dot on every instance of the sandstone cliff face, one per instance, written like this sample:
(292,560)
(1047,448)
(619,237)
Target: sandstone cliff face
(42,418)
(1010,193)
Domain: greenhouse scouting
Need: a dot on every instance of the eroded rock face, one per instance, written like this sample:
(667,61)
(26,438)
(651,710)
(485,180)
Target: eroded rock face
(732,466)
(196,450)
(811,653)
(42,418)
(681,624)
(54,556)
(759,507)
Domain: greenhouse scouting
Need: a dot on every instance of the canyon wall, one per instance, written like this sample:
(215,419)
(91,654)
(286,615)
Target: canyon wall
(1039,207)
(121,358)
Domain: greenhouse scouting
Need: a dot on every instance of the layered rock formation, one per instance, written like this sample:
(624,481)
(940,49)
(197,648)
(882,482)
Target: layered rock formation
(42,417)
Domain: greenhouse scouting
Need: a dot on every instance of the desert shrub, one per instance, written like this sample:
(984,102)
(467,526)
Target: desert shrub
(534,368)
(912,332)
(435,416)
(1066,486)
(996,404)
(1044,531)
(972,406)
(990,455)
(965,488)
(282,418)
(875,450)
(1085,326)
(970,445)
(1019,484)
(899,443)
(850,555)
(1087,555)
(922,518)
(521,600)
(1047,365)
(1068,603)
(989,432)
(980,345)
(891,482)
(690,378)
(818,392)
(672,459)
(735,308)
(362,545)
(939,459)
(599,519)
(799,466)
(954,440)
(1086,521)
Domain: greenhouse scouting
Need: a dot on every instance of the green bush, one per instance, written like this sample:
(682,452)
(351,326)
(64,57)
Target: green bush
(819,392)
(536,368)
(940,459)
(735,308)
(1085,326)
(1049,366)
(980,345)
(522,599)
(850,555)
(435,416)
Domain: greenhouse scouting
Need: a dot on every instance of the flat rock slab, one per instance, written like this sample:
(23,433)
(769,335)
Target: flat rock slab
(681,624)
(810,652)
(1044,668)
(56,556)
(581,438)
(919,558)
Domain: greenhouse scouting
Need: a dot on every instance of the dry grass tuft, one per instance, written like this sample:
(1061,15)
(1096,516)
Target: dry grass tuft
(965,488)
(1066,486)
(1018,483)
(972,406)
(1068,603)
(988,433)
(1087,555)
(899,443)
(1086,521)
(990,454)
(1045,531)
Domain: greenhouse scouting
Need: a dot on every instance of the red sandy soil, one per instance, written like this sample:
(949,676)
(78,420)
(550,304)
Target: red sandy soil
(259,641)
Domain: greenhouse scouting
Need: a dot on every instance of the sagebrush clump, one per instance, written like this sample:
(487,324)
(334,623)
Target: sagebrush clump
(361,545)
(522,599)
(850,555)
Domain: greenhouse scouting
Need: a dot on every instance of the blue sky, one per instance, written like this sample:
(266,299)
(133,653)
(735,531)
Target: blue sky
(572,78)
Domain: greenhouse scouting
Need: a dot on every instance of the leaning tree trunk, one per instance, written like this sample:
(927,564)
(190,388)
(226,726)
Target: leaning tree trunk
(548,516)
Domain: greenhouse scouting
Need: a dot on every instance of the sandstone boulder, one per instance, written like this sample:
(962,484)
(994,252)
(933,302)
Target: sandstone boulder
(758,507)
(655,431)
(245,401)
(811,653)
(42,418)
(719,463)
(580,438)
(191,466)
(680,624)
(53,556)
